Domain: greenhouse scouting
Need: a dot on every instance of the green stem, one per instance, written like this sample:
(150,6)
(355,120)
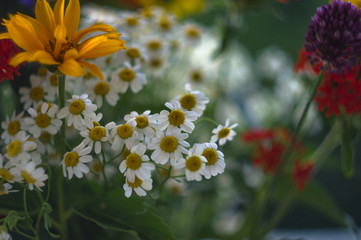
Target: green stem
(60,185)
(207,119)
(103,168)
(27,215)
(24,234)
(178,176)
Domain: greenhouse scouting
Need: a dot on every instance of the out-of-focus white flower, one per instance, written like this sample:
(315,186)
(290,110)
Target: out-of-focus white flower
(32,175)
(12,126)
(99,89)
(129,77)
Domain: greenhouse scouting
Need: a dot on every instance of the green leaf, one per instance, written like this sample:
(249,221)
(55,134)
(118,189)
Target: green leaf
(12,219)
(347,157)
(318,198)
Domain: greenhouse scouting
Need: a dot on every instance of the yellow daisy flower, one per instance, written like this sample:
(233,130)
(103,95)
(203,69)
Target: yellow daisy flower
(52,38)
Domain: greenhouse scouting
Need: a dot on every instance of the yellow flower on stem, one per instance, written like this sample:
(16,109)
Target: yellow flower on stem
(52,38)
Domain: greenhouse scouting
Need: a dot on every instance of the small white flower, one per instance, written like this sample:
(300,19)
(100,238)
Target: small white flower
(19,148)
(11,126)
(43,120)
(133,54)
(5,188)
(146,124)
(176,118)
(32,175)
(215,160)
(129,77)
(99,89)
(132,23)
(139,186)
(193,100)
(223,133)
(192,34)
(80,107)
(33,96)
(165,23)
(124,134)
(4,235)
(94,134)
(74,162)
(137,164)
(156,65)
(5,171)
(169,147)
(155,47)
(195,163)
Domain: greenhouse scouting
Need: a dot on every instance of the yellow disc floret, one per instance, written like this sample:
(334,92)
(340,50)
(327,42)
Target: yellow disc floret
(101,88)
(188,101)
(42,120)
(13,127)
(176,117)
(15,148)
(125,131)
(154,45)
(27,177)
(5,174)
(211,155)
(224,132)
(71,159)
(132,21)
(137,182)
(169,144)
(194,163)
(77,107)
(37,93)
(133,53)
(97,133)
(127,74)
(142,122)
(133,161)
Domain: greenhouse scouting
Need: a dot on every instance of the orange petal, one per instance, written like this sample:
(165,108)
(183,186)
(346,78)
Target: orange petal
(71,54)
(102,49)
(72,68)
(60,36)
(59,12)
(93,69)
(4,36)
(44,14)
(20,57)
(38,56)
(72,16)
(95,28)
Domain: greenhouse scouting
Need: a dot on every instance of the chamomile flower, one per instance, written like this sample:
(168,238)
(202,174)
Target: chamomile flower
(74,162)
(134,54)
(99,89)
(5,188)
(124,134)
(132,23)
(155,47)
(165,23)
(137,164)
(139,186)
(192,34)
(11,126)
(223,133)
(195,163)
(4,235)
(156,65)
(80,107)
(34,95)
(43,121)
(177,117)
(5,170)
(193,100)
(19,148)
(32,175)
(45,143)
(146,124)
(95,134)
(215,160)
(169,147)
(129,77)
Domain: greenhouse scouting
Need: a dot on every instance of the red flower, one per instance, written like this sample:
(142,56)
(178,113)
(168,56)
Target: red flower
(7,50)
(302,173)
(257,135)
(303,65)
(269,156)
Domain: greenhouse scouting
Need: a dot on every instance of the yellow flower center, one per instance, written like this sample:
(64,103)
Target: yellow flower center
(154,45)
(88,75)
(77,107)
(133,53)
(125,131)
(137,182)
(42,120)
(13,127)
(142,122)
(101,88)
(164,23)
(71,159)
(132,21)
(15,148)
(176,117)
(42,71)
(97,167)
(45,137)
(169,144)
(196,76)
(58,52)
(224,132)
(127,74)
(5,174)
(97,133)
(96,124)
(37,93)
(27,177)
(133,161)
(156,62)
(192,32)
(188,101)
(53,80)
(194,163)
(211,155)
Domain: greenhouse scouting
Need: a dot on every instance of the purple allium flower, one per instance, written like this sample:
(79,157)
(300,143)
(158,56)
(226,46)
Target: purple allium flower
(334,36)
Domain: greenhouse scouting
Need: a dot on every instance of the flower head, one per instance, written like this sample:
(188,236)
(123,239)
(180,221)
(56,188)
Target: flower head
(8,50)
(223,133)
(74,162)
(334,36)
(302,173)
(52,38)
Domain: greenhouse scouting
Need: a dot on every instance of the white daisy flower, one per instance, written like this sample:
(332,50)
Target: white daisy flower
(155,47)
(32,175)
(137,164)
(131,23)
(99,89)
(139,186)
(5,188)
(195,163)
(193,100)
(134,54)
(5,171)
(215,160)
(74,162)
(45,143)
(165,23)
(146,124)
(124,134)
(80,107)
(169,147)
(11,126)
(4,235)
(34,95)
(223,133)
(192,34)
(156,65)
(19,148)
(129,76)
(177,118)
(43,121)
(94,134)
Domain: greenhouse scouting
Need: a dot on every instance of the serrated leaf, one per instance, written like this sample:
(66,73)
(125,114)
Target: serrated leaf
(12,219)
